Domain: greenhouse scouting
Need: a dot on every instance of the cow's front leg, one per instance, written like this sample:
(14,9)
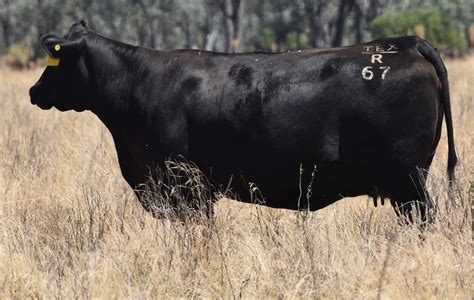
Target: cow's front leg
(188,189)
(176,189)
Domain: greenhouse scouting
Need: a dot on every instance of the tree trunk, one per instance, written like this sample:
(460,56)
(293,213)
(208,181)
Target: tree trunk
(358,19)
(228,26)
(233,11)
(211,33)
(237,20)
(189,43)
(150,41)
(345,8)
(6,26)
(315,15)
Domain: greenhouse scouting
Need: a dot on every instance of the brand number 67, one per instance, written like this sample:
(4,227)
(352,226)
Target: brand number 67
(368,74)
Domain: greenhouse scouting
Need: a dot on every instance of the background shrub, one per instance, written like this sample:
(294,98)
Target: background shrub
(429,23)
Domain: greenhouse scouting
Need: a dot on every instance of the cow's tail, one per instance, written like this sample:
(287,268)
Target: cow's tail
(430,54)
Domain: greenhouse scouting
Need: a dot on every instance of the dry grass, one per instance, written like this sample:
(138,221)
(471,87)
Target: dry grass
(71,227)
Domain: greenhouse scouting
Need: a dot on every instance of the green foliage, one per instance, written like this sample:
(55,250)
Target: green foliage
(267,39)
(271,25)
(17,56)
(439,28)
(297,40)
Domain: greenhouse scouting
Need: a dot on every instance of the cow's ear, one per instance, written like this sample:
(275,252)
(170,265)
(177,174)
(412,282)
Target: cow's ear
(58,47)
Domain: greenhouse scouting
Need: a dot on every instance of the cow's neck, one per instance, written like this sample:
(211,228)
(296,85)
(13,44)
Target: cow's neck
(114,70)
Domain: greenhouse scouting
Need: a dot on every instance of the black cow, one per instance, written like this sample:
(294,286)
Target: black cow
(367,116)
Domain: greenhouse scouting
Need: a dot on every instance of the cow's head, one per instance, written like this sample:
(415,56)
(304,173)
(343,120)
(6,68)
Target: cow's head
(64,82)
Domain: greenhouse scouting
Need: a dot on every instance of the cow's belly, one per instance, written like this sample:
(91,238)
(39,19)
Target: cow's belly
(352,156)
(282,171)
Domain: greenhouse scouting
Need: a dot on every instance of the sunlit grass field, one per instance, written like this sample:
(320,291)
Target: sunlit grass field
(71,227)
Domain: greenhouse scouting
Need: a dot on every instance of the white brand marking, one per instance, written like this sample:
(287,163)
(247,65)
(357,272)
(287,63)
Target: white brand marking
(392,47)
(381,52)
(385,71)
(376,58)
(376,52)
(367,73)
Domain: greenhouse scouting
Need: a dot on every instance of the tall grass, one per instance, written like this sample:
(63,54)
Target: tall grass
(71,227)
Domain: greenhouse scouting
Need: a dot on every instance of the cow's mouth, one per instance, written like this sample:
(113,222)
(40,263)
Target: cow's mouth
(44,106)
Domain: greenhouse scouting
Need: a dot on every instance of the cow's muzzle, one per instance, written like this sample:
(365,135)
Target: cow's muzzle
(33,95)
(34,98)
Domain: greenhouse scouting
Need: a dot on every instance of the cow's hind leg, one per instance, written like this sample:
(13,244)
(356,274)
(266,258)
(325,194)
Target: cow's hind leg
(412,202)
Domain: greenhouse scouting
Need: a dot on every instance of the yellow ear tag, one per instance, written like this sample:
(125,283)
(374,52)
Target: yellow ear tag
(53,62)
(57,47)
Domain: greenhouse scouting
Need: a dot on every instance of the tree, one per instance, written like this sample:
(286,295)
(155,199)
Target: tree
(345,7)
(233,14)
(5,23)
(222,25)
(439,28)
(315,13)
